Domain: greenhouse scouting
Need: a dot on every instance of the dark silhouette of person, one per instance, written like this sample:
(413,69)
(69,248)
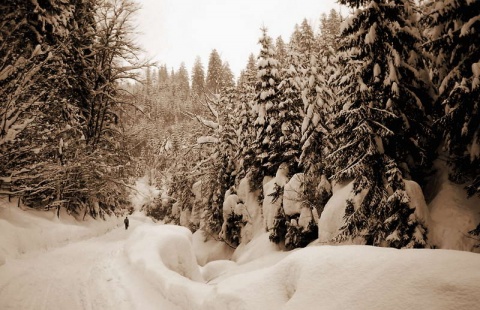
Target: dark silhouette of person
(126,222)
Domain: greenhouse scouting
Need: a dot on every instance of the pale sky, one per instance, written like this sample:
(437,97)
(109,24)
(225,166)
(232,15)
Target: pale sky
(172,31)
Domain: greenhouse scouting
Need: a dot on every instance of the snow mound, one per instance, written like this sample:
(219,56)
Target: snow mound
(164,255)
(260,246)
(168,246)
(325,277)
(207,249)
(216,268)
(254,217)
(331,219)
(292,195)
(453,215)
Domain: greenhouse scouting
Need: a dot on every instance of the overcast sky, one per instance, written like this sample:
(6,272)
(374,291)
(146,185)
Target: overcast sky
(172,31)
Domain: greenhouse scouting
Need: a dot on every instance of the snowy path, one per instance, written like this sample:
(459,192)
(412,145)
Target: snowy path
(90,274)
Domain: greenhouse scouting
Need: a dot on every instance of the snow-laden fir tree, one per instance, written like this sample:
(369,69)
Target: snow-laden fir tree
(182,80)
(290,107)
(45,79)
(217,167)
(315,94)
(265,153)
(315,101)
(329,30)
(248,76)
(227,79)
(198,78)
(328,41)
(226,160)
(281,51)
(244,113)
(163,77)
(453,33)
(213,82)
(382,130)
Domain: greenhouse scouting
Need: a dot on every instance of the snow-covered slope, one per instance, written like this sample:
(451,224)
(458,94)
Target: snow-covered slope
(27,231)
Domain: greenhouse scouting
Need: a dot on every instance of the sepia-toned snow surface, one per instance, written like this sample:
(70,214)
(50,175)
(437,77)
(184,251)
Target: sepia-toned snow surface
(50,263)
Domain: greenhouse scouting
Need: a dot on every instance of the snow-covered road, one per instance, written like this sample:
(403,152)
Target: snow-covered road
(89,274)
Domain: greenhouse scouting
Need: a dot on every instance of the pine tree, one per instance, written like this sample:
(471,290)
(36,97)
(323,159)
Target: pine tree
(330,29)
(306,44)
(264,156)
(382,131)
(244,113)
(295,37)
(317,99)
(214,73)
(248,76)
(148,81)
(290,111)
(198,78)
(281,50)
(227,78)
(454,36)
(163,77)
(181,78)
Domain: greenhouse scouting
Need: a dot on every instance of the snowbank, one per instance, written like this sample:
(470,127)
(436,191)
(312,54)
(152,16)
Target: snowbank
(292,198)
(326,277)
(207,249)
(331,219)
(253,210)
(259,247)
(164,255)
(453,215)
(26,231)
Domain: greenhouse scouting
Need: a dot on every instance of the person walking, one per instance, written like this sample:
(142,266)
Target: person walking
(126,222)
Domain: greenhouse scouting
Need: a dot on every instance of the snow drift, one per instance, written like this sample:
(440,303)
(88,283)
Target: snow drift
(326,277)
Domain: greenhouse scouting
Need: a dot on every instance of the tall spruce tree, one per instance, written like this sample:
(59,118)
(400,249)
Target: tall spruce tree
(227,79)
(453,32)
(163,77)
(182,80)
(213,81)
(382,130)
(265,155)
(281,50)
(198,78)
(316,96)
(244,112)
